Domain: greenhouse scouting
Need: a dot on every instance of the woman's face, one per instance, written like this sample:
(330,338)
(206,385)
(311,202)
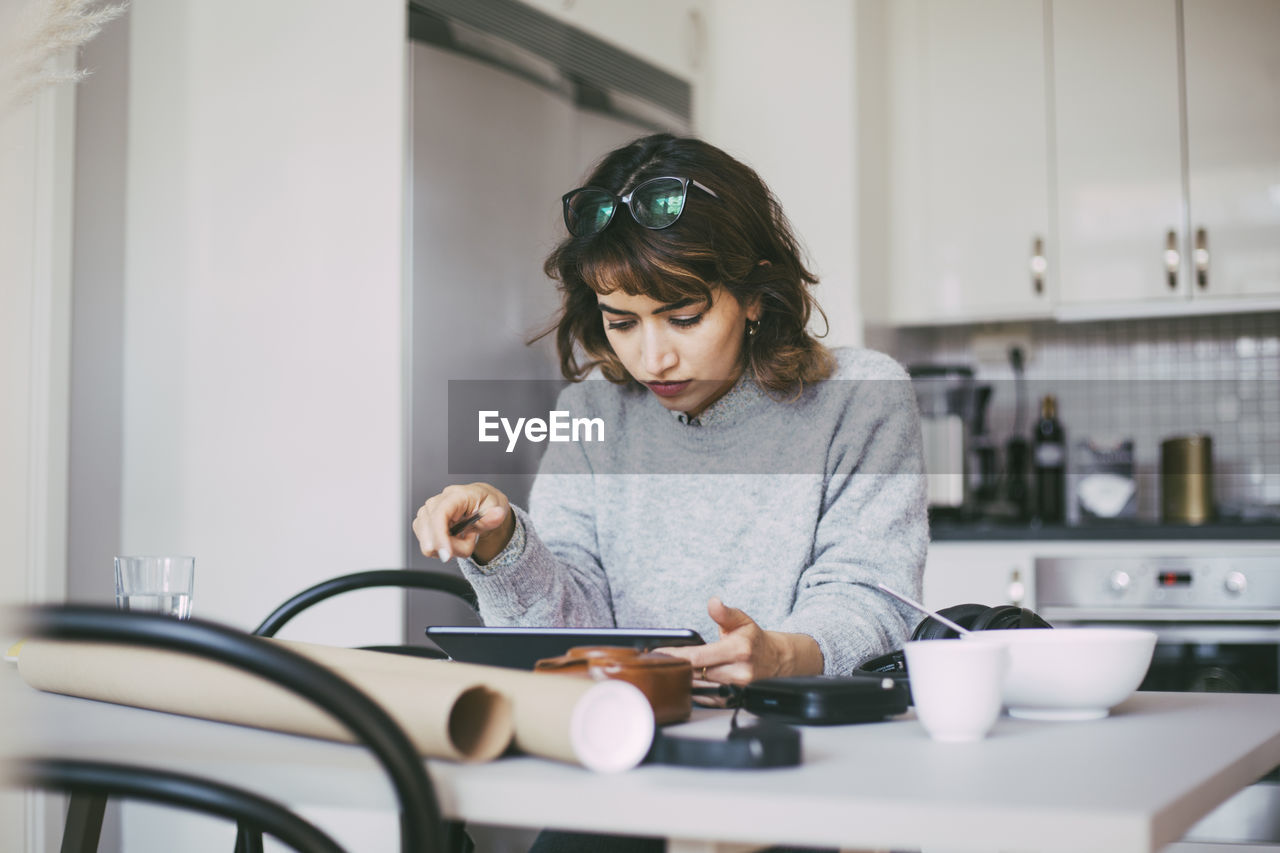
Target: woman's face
(688,353)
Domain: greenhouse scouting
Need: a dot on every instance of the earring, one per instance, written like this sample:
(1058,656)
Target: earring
(753,326)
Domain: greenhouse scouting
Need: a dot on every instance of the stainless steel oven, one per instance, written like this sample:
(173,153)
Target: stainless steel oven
(1218,623)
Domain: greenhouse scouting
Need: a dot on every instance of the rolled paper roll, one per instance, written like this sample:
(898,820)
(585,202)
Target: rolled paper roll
(606,726)
(458,718)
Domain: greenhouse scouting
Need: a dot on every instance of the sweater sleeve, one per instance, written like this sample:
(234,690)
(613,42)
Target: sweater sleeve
(873,529)
(550,574)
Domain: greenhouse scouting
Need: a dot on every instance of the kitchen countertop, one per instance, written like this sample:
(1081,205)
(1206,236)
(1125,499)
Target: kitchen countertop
(1136,531)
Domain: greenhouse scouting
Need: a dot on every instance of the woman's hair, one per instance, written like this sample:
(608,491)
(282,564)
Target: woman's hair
(740,241)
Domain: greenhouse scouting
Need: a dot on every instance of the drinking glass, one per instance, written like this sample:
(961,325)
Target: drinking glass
(155,584)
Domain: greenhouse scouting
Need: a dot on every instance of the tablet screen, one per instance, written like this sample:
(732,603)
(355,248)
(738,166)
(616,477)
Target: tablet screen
(521,648)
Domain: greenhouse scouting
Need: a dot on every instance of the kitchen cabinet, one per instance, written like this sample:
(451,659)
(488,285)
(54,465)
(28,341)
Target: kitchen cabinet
(1146,212)
(1119,158)
(1080,158)
(1233,145)
(968,192)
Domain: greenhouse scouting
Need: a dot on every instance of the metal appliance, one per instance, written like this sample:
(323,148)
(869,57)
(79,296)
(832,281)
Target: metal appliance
(1218,623)
(959,458)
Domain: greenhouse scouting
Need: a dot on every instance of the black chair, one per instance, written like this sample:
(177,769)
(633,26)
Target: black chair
(456,839)
(90,783)
(453,585)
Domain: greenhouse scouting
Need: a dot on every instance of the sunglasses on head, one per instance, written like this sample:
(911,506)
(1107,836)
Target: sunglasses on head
(657,203)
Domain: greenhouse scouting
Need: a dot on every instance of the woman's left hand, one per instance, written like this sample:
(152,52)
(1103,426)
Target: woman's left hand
(746,652)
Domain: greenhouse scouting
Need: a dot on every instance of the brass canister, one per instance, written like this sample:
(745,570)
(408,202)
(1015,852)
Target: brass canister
(1186,479)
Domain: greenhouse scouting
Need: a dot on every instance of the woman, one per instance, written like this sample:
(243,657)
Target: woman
(752,484)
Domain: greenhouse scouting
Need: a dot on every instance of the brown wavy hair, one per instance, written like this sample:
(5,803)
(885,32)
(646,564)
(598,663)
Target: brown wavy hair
(740,241)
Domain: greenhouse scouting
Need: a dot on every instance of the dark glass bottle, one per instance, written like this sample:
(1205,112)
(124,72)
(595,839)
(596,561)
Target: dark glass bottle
(1017,455)
(1049,464)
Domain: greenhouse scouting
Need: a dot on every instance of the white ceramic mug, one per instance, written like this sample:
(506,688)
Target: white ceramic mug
(956,686)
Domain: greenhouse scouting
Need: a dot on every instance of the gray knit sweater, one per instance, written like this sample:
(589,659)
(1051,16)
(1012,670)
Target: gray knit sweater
(790,510)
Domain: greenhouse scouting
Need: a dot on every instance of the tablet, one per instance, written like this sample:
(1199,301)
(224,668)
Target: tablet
(521,648)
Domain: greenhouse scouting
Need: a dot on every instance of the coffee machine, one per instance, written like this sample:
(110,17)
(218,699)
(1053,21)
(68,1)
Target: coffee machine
(959,456)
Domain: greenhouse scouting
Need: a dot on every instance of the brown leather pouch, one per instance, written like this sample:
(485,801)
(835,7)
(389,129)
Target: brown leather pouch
(666,681)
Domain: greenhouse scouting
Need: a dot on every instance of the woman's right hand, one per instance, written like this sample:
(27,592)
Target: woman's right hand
(483,540)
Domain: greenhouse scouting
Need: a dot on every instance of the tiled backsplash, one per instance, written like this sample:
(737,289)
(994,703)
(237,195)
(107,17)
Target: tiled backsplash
(1145,379)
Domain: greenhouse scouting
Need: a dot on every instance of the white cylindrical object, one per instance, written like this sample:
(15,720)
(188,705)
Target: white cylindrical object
(956,686)
(612,727)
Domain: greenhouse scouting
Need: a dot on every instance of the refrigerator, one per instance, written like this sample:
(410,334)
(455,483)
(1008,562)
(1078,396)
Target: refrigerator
(493,150)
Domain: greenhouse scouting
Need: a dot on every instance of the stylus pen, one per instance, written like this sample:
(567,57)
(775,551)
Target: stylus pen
(455,529)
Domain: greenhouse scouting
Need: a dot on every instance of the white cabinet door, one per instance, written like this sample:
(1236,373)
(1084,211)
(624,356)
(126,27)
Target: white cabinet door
(1118,112)
(1233,143)
(1119,157)
(969,181)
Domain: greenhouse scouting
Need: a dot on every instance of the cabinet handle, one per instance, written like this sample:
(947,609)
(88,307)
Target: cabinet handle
(1017,590)
(1171,258)
(1201,257)
(1038,265)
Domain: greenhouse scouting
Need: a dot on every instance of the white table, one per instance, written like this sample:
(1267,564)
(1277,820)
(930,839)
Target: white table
(1132,782)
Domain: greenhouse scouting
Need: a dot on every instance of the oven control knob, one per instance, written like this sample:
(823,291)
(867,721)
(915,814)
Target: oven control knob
(1235,583)
(1119,582)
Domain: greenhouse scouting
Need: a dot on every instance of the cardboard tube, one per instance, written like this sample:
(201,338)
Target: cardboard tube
(457,718)
(603,725)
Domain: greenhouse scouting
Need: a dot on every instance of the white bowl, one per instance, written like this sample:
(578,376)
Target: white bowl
(1071,673)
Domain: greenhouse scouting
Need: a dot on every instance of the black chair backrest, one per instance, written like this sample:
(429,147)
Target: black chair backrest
(103,779)
(409,578)
(420,822)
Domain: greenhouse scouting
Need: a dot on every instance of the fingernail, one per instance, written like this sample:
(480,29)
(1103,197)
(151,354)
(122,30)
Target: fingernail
(444,554)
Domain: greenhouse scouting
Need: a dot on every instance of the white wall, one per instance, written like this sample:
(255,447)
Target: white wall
(871,119)
(779,95)
(263,297)
(263,374)
(35,286)
(36,141)
(97,328)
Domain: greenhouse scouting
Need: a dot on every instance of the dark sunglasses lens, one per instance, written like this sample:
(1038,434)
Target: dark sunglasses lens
(658,203)
(588,211)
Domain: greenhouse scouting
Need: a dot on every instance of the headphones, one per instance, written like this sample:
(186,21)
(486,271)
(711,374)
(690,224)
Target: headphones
(978,617)
(975,617)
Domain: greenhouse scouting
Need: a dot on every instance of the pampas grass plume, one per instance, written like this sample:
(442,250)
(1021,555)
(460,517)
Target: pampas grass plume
(45,30)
